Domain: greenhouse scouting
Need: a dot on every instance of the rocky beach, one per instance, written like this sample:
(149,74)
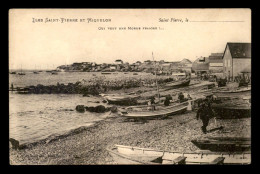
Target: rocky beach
(86,146)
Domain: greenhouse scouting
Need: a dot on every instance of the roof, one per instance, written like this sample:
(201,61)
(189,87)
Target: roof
(240,50)
(216,57)
(217,54)
(185,61)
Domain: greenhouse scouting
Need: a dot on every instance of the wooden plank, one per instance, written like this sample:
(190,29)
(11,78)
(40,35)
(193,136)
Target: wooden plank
(218,160)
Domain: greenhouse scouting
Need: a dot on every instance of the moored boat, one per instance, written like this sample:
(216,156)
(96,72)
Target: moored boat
(136,155)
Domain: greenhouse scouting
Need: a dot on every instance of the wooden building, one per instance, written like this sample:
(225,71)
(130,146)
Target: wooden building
(216,63)
(237,58)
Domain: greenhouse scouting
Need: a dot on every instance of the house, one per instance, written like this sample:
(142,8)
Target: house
(118,62)
(113,67)
(236,59)
(147,62)
(201,65)
(138,63)
(216,62)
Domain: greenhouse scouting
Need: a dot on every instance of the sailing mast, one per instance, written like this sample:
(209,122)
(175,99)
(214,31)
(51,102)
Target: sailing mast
(156,79)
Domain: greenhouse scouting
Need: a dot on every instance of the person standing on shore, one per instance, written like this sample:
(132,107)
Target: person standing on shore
(12,86)
(204,114)
(153,103)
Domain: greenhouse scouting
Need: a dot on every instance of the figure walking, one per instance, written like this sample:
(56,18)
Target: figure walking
(204,113)
(153,103)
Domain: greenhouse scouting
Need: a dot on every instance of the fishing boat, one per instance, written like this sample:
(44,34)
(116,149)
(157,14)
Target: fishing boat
(222,144)
(178,84)
(21,73)
(135,73)
(161,112)
(145,156)
(13,72)
(237,92)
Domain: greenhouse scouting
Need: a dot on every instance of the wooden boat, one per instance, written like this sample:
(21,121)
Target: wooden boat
(144,156)
(163,112)
(121,99)
(217,144)
(178,84)
(35,72)
(135,73)
(105,73)
(21,73)
(238,92)
(12,72)
(54,73)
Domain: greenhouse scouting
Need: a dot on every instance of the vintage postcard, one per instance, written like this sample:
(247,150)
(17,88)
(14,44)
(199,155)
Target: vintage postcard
(129,86)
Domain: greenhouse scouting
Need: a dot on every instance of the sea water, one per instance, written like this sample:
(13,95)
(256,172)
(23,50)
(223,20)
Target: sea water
(33,117)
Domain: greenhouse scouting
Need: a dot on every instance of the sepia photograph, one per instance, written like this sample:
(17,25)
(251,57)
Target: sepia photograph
(129,86)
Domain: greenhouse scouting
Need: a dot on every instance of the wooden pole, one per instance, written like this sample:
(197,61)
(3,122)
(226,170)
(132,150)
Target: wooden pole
(156,80)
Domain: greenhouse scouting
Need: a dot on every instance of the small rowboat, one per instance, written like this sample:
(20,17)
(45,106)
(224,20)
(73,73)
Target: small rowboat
(144,156)
(178,84)
(121,99)
(163,112)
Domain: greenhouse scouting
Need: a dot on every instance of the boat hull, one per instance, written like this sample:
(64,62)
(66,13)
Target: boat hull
(173,85)
(122,100)
(135,155)
(168,111)
(220,144)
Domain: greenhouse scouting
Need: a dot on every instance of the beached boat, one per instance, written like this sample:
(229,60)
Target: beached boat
(136,155)
(54,73)
(161,112)
(222,144)
(13,72)
(238,92)
(121,99)
(105,73)
(178,84)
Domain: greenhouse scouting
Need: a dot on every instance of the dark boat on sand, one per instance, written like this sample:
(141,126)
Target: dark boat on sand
(224,144)
(121,99)
(105,73)
(144,156)
(178,84)
(238,92)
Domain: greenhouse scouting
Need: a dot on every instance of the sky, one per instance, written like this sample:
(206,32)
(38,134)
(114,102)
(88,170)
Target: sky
(46,45)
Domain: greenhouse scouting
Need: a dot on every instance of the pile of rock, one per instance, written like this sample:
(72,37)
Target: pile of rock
(97,109)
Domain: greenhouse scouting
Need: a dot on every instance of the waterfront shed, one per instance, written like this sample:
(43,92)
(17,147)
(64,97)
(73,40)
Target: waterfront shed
(237,58)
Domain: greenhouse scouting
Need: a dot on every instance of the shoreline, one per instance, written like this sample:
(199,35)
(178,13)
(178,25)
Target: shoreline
(88,145)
